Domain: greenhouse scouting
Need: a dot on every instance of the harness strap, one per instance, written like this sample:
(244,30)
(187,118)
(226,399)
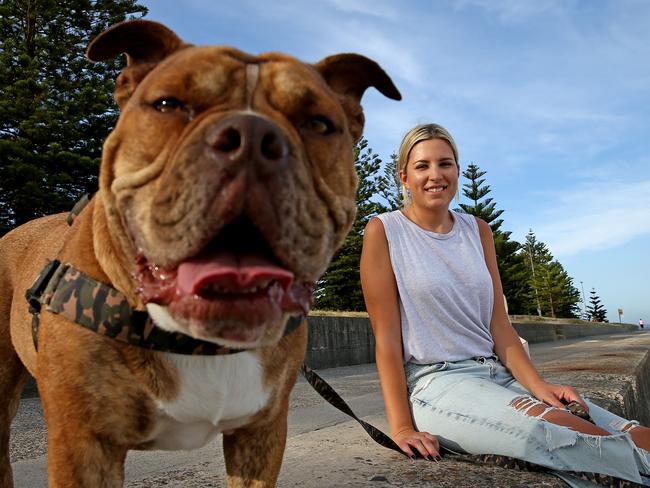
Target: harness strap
(78,207)
(64,290)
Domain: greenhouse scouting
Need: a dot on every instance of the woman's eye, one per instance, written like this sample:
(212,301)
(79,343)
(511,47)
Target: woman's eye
(320,125)
(167,105)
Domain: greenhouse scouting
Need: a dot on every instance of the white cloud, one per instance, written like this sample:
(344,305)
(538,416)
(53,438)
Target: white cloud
(384,9)
(595,216)
(513,11)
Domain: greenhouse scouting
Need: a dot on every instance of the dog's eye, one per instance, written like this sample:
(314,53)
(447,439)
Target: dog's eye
(320,125)
(167,105)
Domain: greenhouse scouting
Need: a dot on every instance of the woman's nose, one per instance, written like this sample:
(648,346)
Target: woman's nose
(434,172)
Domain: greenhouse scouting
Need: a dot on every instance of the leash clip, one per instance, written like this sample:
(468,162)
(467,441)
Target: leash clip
(35,292)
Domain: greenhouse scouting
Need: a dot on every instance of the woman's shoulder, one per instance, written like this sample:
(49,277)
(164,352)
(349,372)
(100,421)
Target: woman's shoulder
(479,226)
(383,225)
(387,216)
(468,219)
(461,215)
(386,219)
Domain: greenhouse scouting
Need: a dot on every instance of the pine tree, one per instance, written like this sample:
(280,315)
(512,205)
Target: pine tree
(595,310)
(511,265)
(513,272)
(476,191)
(340,286)
(56,107)
(551,290)
(536,255)
(392,185)
(559,297)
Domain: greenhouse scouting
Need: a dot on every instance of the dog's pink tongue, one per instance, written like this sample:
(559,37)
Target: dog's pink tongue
(231,271)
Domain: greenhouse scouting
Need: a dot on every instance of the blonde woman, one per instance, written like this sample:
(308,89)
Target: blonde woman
(452,368)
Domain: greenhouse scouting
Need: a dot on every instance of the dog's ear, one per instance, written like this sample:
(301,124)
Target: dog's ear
(350,75)
(145,44)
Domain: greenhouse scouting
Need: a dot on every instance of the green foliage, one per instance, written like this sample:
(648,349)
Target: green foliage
(476,191)
(551,291)
(56,107)
(340,286)
(511,266)
(392,185)
(513,272)
(595,311)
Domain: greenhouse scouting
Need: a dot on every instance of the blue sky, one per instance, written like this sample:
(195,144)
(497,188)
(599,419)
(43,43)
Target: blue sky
(550,97)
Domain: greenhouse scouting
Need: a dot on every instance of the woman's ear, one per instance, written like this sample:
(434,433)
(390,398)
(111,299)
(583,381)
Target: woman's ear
(402,176)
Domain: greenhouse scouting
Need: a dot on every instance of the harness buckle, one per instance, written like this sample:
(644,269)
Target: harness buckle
(34,293)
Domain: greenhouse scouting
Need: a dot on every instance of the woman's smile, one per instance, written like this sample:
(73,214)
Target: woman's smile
(435,189)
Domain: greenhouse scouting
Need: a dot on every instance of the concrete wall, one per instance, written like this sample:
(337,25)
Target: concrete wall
(545,332)
(636,399)
(339,341)
(345,341)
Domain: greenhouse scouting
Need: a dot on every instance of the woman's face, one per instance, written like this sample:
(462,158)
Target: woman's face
(431,174)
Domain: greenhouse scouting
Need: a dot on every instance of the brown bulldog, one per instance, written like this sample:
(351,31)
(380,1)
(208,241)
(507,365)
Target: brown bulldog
(225,188)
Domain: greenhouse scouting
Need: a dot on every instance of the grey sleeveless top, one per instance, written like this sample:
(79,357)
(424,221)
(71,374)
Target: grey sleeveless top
(444,286)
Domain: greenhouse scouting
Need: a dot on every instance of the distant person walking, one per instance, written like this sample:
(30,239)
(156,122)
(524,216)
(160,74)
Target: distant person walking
(641,324)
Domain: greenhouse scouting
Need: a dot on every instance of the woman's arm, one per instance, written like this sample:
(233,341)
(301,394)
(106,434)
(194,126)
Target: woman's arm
(380,294)
(506,340)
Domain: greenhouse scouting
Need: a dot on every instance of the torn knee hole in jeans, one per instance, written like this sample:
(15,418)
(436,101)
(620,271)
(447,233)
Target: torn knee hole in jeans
(531,406)
(624,425)
(556,436)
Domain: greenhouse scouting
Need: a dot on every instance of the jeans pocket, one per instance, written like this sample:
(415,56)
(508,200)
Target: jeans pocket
(418,376)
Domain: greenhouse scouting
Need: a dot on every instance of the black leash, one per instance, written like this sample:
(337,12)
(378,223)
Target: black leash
(328,393)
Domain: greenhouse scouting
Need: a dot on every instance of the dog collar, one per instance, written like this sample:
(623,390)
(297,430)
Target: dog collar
(99,307)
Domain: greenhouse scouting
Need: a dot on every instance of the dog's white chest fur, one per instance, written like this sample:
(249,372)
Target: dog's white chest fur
(217,393)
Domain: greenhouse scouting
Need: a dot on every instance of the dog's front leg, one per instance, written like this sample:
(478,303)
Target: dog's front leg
(254,454)
(77,460)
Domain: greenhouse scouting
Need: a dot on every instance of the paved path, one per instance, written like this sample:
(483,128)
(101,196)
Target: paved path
(326,449)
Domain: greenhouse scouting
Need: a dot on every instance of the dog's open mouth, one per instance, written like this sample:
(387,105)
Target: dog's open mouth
(232,291)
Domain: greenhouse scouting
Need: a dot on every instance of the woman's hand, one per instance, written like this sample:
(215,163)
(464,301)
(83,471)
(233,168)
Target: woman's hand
(426,444)
(556,395)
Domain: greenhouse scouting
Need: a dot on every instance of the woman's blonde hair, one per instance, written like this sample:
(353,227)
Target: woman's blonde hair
(419,133)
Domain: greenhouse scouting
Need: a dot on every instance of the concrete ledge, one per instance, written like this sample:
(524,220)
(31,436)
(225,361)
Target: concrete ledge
(535,332)
(341,340)
(336,341)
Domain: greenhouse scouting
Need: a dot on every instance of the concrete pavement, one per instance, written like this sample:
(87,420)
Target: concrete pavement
(326,449)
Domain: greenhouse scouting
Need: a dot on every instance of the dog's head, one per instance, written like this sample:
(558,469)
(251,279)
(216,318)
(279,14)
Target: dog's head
(228,182)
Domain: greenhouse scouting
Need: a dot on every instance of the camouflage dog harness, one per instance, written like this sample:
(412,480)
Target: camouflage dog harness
(102,309)
(64,290)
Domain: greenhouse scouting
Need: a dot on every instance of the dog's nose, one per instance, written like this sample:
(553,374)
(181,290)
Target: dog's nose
(247,138)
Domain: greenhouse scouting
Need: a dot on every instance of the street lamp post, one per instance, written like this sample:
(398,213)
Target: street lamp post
(532,267)
(584,305)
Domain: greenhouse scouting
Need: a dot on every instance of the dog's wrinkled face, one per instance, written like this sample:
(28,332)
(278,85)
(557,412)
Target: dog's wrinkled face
(232,177)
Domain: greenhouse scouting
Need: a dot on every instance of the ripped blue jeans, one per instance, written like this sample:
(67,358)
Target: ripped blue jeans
(476,406)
